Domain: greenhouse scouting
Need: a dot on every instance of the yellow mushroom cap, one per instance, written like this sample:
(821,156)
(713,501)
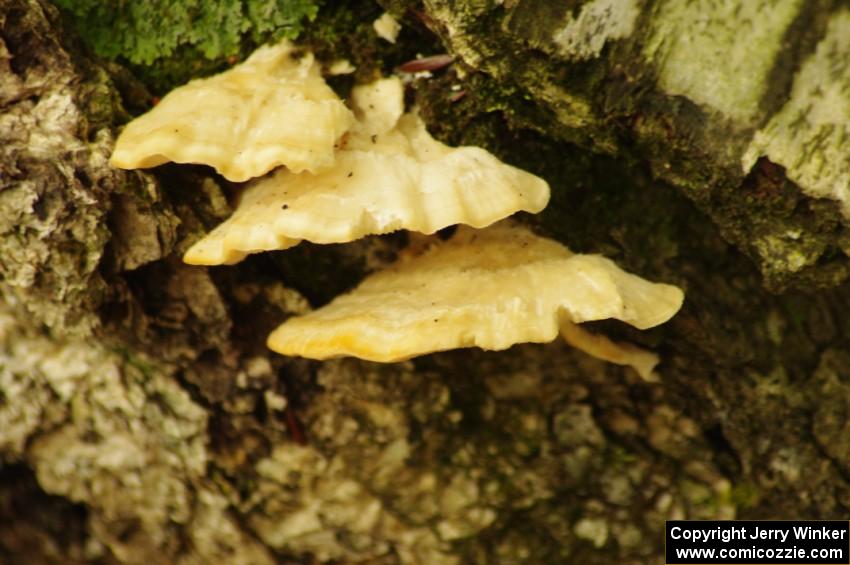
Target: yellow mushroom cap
(488,288)
(273,109)
(390,175)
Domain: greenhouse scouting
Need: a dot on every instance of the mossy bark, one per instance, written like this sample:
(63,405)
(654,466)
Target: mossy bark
(143,420)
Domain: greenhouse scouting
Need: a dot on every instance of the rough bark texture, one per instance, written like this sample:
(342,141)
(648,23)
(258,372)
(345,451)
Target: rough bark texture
(143,420)
(716,98)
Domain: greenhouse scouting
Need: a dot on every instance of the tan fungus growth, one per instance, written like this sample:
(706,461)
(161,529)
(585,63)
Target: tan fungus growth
(488,288)
(619,353)
(345,176)
(387,27)
(389,174)
(273,109)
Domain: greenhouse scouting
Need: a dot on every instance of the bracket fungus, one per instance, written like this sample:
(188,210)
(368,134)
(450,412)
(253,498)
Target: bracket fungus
(388,174)
(342,175)
(490,288)
(273,109)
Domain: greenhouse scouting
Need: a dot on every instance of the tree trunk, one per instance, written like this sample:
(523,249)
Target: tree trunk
(698,143)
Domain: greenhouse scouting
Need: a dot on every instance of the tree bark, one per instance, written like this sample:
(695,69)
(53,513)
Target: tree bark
(702,144)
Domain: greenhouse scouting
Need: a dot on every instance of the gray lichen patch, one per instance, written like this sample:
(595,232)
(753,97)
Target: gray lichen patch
(340,497)
(575,31)
(51,222)
(141,472)
(719,53)
(88,395)
(218,536)
(306,504)
(598,22)
(55,181)
(410,464)
(114,431)
(809,135)
(33,374)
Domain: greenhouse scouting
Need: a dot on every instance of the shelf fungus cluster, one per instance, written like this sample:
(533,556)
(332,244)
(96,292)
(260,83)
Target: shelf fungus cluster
(336,175)
(388,174)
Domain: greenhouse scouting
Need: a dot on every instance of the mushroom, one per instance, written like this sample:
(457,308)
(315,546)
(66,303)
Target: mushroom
(388,174)
(490,288)
(273,109)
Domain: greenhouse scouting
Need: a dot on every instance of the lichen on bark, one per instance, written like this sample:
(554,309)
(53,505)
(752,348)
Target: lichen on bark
(657,96)
(58,111)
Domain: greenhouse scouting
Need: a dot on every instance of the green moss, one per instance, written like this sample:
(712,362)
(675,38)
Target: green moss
(166,43)
(145,31)
(172,41)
